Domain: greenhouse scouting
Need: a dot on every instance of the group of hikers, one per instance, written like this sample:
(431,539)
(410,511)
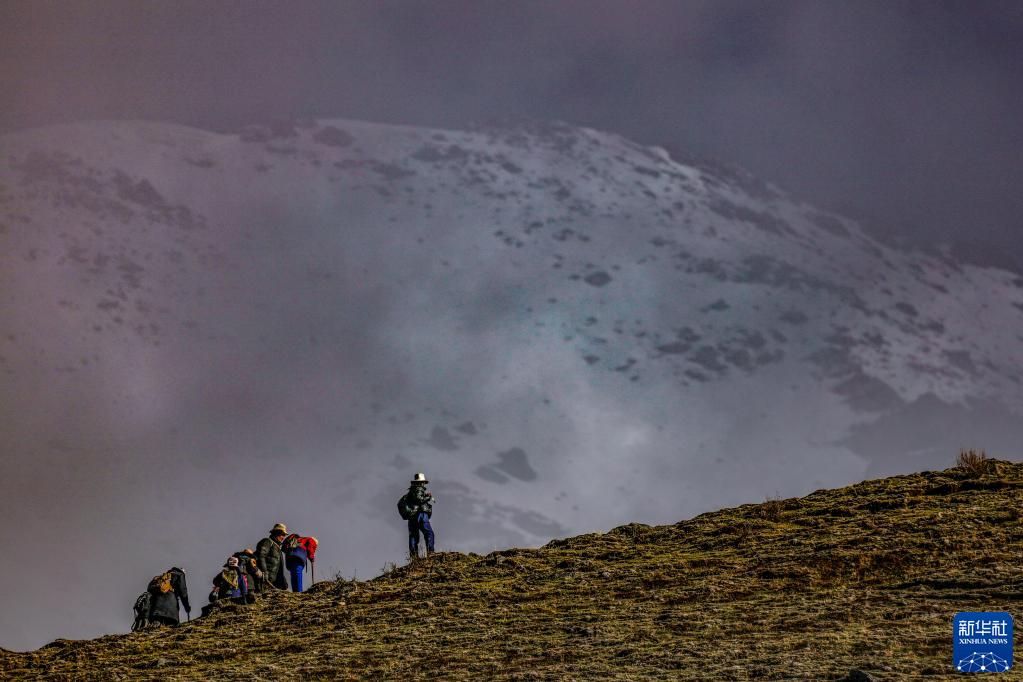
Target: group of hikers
(248,572)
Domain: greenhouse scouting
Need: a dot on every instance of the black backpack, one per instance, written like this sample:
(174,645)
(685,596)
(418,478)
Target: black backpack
(403,508)
(142,605)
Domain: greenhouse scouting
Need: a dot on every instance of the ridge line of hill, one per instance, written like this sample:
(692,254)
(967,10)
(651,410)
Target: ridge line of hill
(865,577)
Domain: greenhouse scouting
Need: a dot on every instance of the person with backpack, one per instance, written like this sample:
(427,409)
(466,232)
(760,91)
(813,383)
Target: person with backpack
(298,551)
(166,591)
(230,582)
(250,572)
(142,606)
(416,507)
(269,560)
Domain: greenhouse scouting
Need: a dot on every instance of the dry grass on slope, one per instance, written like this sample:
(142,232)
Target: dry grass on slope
(864,577)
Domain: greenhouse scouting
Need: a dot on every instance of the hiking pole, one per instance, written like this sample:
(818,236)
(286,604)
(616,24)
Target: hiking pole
(312,567)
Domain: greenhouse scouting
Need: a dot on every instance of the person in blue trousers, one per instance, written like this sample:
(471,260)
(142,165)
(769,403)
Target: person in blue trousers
(297,551)
(419,506)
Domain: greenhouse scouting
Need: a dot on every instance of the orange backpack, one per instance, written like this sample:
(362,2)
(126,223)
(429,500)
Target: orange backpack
(161,584)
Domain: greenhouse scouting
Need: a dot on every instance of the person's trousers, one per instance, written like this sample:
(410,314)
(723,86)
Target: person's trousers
(420,523)
(295,567)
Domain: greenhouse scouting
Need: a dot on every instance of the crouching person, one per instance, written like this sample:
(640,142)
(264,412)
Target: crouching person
(250,572)
(298,553)
(230,583)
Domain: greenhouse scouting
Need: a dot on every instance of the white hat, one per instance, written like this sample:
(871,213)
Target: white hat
(419,478)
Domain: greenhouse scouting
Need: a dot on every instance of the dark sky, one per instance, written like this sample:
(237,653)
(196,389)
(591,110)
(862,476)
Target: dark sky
(909,114)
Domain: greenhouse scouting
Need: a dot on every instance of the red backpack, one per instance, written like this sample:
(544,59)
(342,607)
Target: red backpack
(294,541)
(309,544)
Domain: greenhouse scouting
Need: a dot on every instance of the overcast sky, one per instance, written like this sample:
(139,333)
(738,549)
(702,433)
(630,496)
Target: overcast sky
(907,113)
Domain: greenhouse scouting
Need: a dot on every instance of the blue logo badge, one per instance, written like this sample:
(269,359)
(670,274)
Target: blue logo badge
(982,642)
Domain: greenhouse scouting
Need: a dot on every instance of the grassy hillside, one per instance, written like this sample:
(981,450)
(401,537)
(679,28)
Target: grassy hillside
(865,577)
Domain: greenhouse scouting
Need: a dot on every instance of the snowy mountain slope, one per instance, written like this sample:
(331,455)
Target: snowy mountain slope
(564,329)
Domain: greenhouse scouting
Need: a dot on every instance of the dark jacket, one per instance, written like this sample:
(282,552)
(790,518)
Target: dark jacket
(230,582)
(165,604)
(247,562)
(418,499)
(271,562)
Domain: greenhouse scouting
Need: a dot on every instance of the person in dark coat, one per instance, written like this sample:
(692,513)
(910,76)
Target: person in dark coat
(269,559)
(167,590)
(251,573)
(230,582)
(419,507)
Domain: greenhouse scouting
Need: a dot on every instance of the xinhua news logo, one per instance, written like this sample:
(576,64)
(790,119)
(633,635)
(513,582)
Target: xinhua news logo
(982,642)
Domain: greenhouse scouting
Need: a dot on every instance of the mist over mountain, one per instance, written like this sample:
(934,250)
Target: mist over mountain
(202,334)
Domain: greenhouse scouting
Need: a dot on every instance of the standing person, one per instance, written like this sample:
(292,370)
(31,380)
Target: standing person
(166,590)
(297,551)
(269,560)
(417,506)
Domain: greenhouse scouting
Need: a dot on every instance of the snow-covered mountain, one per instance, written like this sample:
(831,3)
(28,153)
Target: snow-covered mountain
(564,329)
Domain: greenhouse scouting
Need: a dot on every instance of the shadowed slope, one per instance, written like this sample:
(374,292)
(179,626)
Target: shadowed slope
(864,577)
